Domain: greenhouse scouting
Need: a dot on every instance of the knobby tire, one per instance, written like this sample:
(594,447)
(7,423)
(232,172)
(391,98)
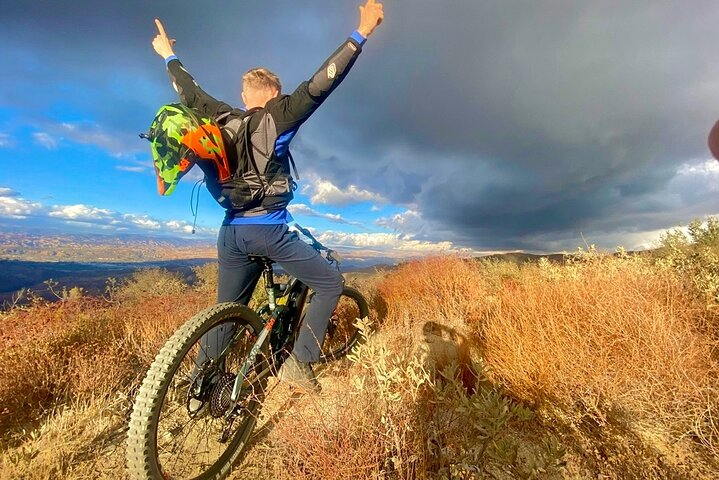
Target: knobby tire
(142,441)
(351,307)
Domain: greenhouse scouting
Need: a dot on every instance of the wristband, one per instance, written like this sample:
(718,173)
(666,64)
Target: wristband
(358,37)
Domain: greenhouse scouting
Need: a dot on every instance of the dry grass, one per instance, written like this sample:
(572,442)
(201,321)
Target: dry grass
(83,440)
(390,414)
(45,353)
(87,348)
(479,369)
(610,334)
(600,343)
(437,288)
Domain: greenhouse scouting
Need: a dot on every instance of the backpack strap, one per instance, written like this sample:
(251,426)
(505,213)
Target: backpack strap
(233,128)
(294,167)
(222,116)
(249,150)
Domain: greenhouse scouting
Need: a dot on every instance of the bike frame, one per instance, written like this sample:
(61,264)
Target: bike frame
(294,286)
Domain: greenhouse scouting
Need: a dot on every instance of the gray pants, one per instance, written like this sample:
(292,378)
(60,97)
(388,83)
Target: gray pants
(238,277)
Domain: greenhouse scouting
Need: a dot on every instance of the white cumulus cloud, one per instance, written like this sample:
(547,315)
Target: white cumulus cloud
(12,206)
(302,209)
(409,222)
(8,192)
(707,168)
(325,192)
(142,221)
(81,212)
(389,244)
(181,226)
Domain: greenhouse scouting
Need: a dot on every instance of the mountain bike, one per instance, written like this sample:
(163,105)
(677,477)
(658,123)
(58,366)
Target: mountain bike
(194,414)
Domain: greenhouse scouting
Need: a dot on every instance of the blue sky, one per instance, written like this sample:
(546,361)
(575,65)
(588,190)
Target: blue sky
(466,126)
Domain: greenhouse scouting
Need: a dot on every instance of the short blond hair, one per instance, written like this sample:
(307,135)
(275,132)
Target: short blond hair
(261,78)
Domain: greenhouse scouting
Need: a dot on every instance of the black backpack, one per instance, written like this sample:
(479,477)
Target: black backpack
(261,181)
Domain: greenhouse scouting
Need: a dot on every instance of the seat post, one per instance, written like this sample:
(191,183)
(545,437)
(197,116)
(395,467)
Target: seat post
(269,281)
(267,273)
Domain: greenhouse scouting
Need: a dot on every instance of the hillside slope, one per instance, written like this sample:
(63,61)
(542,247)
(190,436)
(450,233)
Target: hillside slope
(604,367)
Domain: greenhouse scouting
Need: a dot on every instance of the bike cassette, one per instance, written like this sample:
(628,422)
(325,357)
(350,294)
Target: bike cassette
(220,396)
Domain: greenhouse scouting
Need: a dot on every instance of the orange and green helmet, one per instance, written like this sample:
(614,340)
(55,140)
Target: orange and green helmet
(180,137)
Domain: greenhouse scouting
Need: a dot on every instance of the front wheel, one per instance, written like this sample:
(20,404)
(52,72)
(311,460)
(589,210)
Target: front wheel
(183,424)
(342,332)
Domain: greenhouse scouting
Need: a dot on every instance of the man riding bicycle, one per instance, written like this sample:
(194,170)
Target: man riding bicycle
(257,141)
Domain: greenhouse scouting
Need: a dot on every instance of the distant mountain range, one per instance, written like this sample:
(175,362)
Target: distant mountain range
(521,257)
(87,260)
(91,277)
(100,248)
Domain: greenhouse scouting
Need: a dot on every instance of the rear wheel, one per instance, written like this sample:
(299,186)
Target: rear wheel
(342,332)
(182,423)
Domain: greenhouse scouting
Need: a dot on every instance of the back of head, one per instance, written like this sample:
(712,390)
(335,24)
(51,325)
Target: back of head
(261,78)
(259,85)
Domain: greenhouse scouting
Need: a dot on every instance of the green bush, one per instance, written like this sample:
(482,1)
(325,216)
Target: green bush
(205,277)
(695,256)
(151,282)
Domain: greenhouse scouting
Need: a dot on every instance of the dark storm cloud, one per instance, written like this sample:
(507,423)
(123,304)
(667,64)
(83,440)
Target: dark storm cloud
(506,124)
(96,58)
(541,120)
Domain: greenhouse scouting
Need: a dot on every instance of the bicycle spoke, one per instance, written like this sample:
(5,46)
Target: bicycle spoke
(189,446)
(188,433)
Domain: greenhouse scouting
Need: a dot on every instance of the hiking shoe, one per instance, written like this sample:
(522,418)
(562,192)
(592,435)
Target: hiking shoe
(299,375)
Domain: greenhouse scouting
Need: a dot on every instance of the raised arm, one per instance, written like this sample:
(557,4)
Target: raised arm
(292,110)
(189,91)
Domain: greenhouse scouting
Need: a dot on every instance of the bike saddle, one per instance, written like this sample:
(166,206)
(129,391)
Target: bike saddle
(261,260)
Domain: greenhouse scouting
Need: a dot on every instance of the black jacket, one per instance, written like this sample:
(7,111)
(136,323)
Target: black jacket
(270,128)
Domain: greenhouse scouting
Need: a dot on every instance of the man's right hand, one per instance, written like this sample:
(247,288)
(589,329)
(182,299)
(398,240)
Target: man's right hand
(161,43)
(371,15)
